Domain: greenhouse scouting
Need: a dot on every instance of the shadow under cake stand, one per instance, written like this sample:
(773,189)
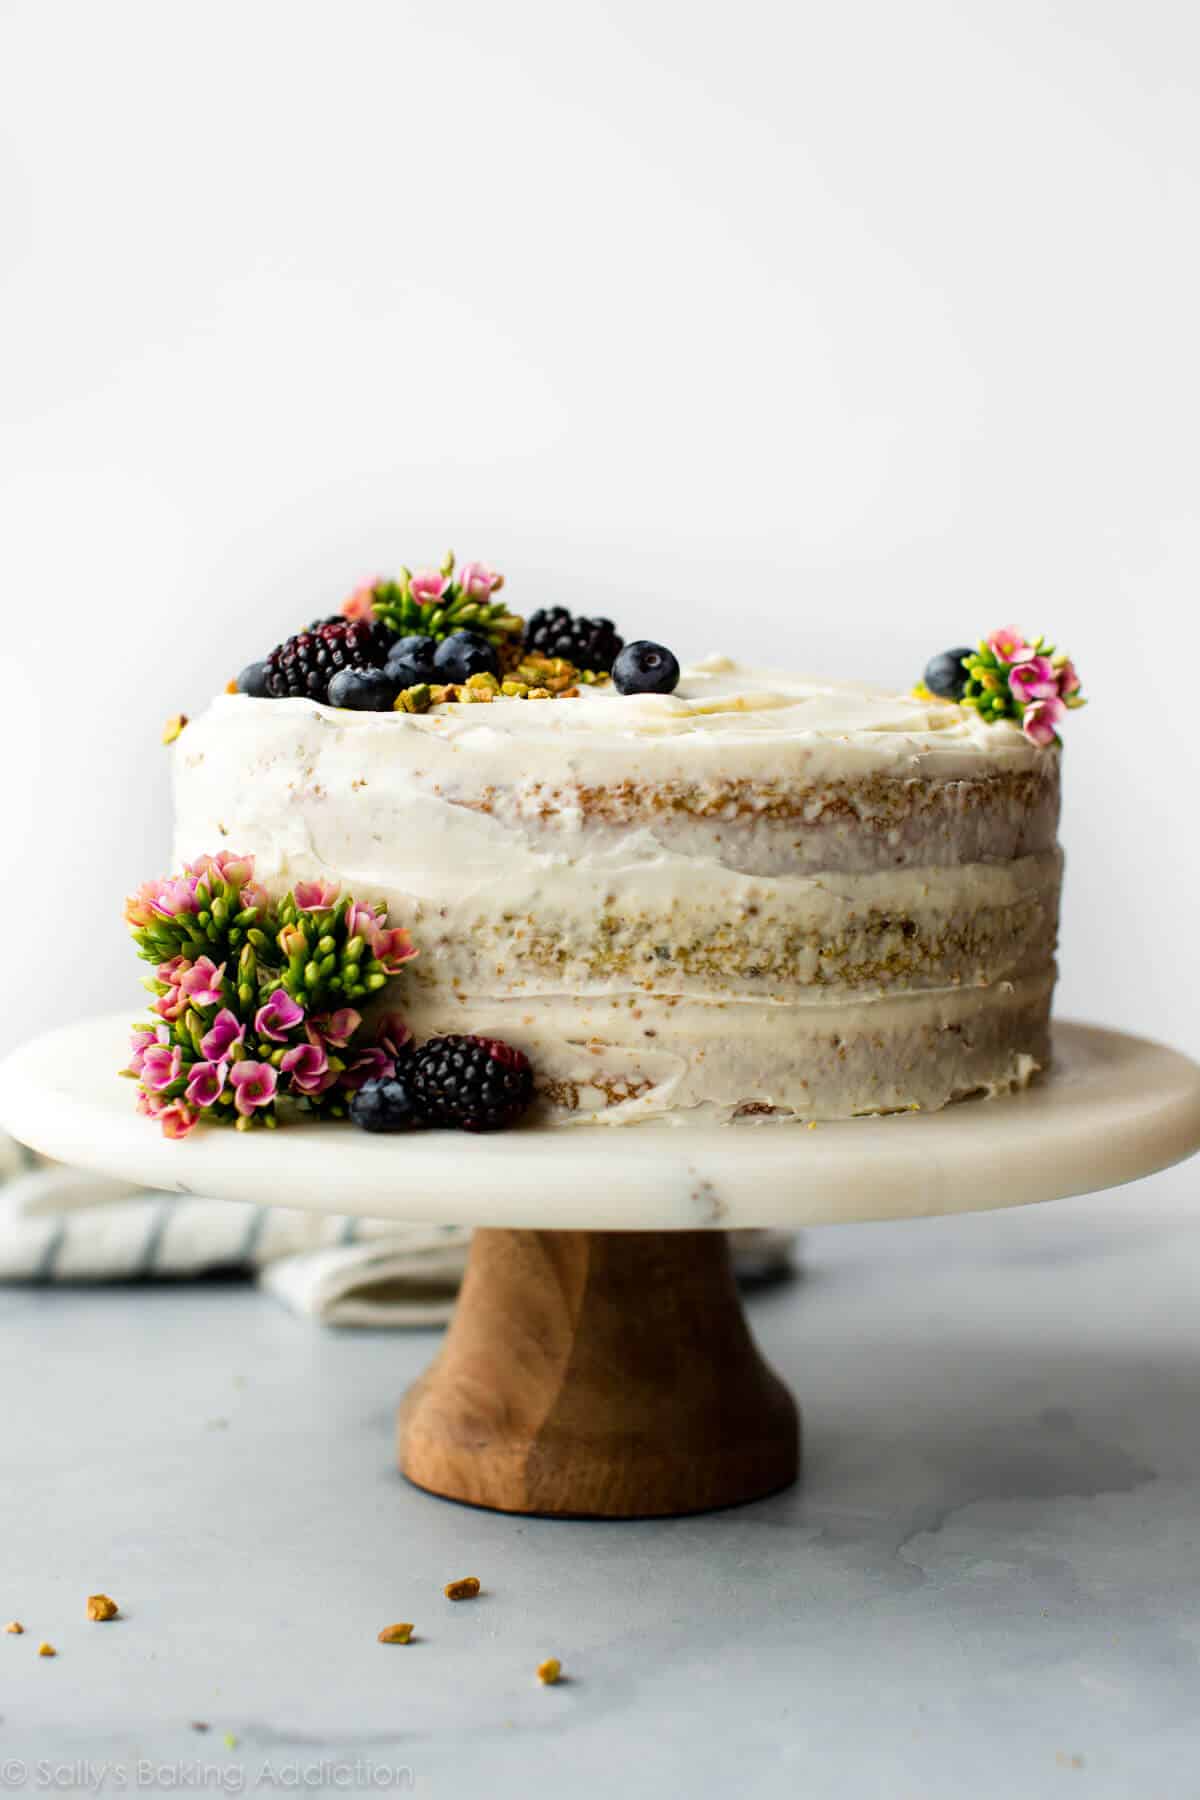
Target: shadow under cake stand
(599,1362)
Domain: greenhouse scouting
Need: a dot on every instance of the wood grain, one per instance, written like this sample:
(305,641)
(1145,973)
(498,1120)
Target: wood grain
(600,1374)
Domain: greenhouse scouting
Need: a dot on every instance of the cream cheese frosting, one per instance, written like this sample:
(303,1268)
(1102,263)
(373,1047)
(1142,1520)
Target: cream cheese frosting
(758,896)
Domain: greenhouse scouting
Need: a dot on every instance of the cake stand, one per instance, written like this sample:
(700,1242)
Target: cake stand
(599,1363)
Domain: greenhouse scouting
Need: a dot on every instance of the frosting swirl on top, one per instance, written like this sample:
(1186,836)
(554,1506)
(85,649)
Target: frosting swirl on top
(719,708)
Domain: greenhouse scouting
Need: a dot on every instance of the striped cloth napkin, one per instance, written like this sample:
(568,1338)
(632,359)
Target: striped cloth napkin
(59,1224)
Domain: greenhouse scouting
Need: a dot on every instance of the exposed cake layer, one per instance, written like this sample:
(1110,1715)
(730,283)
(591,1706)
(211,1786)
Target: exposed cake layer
(619,1059)
(654,926)
(870,821)
(815,899)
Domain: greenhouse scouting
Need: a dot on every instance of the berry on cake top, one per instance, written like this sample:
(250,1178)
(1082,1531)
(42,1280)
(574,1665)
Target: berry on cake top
(439,636)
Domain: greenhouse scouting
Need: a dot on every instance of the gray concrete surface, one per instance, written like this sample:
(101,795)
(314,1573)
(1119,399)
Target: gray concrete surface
(987,1584)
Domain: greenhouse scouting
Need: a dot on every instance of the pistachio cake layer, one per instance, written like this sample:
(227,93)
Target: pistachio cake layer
(757,897)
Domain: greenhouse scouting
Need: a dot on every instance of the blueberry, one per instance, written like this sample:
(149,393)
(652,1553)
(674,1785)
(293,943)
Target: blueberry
(645,668)
(945,675)
(384,1106)
(364,690)
(410,660)
(462,654)
(253,680)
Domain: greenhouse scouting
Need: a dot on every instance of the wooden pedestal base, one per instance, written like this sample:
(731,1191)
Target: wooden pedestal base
(608,1374)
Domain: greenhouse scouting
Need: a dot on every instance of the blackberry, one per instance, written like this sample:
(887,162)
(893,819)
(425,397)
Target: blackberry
(474,1083)
(588,643)
(302,667)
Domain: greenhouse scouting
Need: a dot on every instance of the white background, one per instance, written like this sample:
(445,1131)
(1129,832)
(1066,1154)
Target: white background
(835,333)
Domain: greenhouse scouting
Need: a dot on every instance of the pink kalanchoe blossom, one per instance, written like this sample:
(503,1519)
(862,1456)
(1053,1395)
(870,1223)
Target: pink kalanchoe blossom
(334,1029)
(205,1082)
(392,948)
(254,895)
(177,1120)
(377,1061)
(478,582)
(139,1042)
(254,1086)
(174,1002)
(171,898)
(361,921)
(222,1035)
(280,1015)
(315,896)
(149,1105)
(161,1065)
(1009,645)
(237,870)
(161,900)
(139,908)
(392,1034)
(308,1067)
(292,942)
(1068,680)
(1033,680)
(201,983)
(371,1064)
(429,587)
(361,603)
(1041,719)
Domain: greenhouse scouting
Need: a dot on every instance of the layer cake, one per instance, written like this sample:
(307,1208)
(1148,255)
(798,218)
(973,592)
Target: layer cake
(759,898)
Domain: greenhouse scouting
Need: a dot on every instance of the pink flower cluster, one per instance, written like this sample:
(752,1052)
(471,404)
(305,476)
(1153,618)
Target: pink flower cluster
(392,948)
(228,1036)
(1040,686)
(303,1068)
(475,581)
(180,894)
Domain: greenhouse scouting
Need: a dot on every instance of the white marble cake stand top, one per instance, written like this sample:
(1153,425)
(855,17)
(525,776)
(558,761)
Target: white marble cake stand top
(1114,1108)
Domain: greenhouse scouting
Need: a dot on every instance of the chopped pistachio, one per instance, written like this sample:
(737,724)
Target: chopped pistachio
(464,1589)
(396,1634)
(415,699)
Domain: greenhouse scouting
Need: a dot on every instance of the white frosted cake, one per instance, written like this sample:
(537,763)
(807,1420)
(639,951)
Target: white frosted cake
(758,897)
